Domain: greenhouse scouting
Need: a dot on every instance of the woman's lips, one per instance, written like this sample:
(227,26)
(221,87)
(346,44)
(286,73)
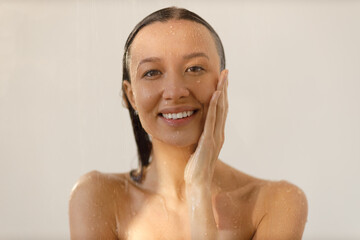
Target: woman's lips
(178,122)
(177,109)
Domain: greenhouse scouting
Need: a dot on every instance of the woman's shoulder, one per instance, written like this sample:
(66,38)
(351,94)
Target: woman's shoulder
(265,189)
(96,177)
(281,211)
(282,197)
(94,202)
(278,208)
(98,186)
(273,194)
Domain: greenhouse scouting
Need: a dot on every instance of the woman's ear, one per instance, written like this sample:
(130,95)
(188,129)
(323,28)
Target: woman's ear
(129,94)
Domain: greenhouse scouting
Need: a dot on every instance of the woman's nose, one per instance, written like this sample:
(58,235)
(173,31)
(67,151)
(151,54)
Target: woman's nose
(175,88)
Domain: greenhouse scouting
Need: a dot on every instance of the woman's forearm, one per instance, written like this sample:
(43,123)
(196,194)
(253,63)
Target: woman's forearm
(203,225)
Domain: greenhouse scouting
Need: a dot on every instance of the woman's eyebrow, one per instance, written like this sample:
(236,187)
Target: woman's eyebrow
(150,59)
(188,56)
(195,54)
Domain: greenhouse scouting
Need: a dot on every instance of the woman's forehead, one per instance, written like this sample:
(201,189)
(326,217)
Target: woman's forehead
(174,37)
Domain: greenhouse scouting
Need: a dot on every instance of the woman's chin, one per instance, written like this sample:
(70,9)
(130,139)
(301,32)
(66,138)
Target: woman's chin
(181,142)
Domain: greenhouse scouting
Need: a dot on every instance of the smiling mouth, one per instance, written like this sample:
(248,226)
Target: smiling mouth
(179,115)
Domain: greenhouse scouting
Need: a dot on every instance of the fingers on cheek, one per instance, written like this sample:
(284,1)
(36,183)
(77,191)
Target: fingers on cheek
(213,100)
(218,98)
(212,107)
(219,80)
(220,101)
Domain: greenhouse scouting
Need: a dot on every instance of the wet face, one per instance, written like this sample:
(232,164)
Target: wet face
(174,69)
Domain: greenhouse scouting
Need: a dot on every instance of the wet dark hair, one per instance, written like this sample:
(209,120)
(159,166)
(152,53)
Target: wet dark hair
(144,145)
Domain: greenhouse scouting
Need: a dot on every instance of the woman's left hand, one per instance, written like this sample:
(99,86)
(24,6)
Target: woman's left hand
(200,167)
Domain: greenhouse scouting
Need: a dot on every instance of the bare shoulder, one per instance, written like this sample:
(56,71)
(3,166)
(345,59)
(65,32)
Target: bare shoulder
(97,187)
(282,209)
(278,209)
(283,191)
(282,196)
(95,181)
(269,195)
(93,203)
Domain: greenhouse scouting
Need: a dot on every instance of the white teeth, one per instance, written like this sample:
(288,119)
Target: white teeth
(177,115)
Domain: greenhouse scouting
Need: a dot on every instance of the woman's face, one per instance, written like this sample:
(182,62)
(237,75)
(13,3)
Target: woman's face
(174,70)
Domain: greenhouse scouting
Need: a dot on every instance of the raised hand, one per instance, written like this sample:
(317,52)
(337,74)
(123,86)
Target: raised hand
(199,170)
(200,167)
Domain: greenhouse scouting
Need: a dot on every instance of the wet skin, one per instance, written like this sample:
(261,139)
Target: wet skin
(174,67)
(114,207)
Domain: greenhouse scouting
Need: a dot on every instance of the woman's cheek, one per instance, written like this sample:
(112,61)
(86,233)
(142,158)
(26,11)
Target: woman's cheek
(207,89)
(146,102)
(146,98)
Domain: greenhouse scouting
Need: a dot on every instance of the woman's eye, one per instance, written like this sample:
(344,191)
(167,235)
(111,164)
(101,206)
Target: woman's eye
(152,73)
(194,69)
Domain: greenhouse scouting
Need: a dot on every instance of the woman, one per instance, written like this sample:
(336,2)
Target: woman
(175,88)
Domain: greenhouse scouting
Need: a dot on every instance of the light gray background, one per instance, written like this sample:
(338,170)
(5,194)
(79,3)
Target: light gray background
(294,103)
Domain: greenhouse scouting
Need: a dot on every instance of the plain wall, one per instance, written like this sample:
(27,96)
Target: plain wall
(294,95)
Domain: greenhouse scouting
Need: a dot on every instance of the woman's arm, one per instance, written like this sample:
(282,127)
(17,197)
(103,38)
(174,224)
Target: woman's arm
(90,209)
(203,225)
(200,168)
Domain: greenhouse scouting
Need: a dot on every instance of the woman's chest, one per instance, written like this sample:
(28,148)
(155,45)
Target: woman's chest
(157,221)
(153,229)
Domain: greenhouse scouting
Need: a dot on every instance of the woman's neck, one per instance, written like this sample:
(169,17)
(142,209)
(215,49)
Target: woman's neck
(165,174)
